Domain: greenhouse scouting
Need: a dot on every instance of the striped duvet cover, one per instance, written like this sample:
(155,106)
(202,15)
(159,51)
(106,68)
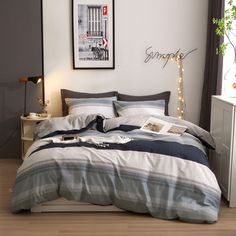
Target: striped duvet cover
(114,162)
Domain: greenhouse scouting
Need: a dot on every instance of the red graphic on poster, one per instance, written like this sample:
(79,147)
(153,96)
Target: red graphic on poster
(104,10)
(104,42)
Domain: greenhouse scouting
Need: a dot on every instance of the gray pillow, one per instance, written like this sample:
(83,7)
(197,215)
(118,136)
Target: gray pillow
(90,106)
(65,93)
(159,96)
(124,108)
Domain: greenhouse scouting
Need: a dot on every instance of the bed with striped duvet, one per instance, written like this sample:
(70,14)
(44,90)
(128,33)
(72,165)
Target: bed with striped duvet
(113,162)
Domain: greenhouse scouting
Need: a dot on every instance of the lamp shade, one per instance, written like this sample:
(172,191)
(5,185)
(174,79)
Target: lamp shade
(35,80)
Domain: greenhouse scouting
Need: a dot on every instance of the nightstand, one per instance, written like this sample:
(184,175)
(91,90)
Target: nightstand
(27,128)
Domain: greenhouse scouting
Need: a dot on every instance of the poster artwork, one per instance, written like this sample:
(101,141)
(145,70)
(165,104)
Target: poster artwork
(93,34)
(93,26)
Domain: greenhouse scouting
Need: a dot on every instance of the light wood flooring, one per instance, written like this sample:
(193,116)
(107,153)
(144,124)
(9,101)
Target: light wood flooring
(102,224)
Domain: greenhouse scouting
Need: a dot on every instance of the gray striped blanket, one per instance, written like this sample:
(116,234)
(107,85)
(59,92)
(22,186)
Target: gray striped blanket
(112,161)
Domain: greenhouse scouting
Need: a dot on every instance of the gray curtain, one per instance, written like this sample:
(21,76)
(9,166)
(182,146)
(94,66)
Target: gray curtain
(213,65)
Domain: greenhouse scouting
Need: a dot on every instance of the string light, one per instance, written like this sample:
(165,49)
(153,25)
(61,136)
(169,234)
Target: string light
(178,57)
(181,101)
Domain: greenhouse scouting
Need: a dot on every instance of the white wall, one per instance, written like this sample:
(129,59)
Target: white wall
(165,24)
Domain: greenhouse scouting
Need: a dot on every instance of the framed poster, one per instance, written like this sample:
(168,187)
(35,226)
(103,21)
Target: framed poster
(93,34)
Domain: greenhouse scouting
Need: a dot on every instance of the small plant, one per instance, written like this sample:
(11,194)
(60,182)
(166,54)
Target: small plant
(43,105)
(226,26)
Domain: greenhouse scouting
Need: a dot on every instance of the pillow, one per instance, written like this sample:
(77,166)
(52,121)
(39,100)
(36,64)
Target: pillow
(140,108)
(165,96)
(90,106)
(65,93)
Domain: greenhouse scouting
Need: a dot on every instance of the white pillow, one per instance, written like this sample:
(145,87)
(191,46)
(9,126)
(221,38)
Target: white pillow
(124,108)
(90,106)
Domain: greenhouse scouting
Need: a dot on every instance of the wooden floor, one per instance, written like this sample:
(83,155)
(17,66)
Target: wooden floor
(102,224)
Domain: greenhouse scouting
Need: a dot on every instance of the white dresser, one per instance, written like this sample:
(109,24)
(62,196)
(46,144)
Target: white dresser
(223,159)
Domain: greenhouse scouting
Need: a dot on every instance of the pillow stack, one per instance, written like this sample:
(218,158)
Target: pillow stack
(113,103)
(89,106)
(163,97)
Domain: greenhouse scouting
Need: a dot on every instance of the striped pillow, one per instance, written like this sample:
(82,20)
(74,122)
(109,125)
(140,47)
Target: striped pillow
(140,108)
(89,106)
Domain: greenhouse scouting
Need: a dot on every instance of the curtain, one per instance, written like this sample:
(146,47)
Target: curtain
(213,65)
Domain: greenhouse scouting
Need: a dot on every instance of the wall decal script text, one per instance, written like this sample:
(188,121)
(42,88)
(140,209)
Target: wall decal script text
(151,55)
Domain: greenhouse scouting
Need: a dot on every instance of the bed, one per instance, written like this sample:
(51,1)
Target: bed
(112,163)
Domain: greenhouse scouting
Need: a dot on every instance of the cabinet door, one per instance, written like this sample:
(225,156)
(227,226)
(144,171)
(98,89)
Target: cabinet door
(221,129)
(232,193)
(225,171)
(216,132)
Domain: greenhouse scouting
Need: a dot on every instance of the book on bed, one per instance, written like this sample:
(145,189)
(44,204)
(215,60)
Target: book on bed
(155,125)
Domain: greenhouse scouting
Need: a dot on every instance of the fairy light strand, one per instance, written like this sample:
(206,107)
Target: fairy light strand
(181,100)
(178,57)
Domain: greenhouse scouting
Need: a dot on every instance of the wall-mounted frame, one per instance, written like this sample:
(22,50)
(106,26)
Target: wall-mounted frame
(93,34)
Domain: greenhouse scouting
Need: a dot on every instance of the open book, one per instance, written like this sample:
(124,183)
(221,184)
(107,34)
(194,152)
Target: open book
(155,125)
